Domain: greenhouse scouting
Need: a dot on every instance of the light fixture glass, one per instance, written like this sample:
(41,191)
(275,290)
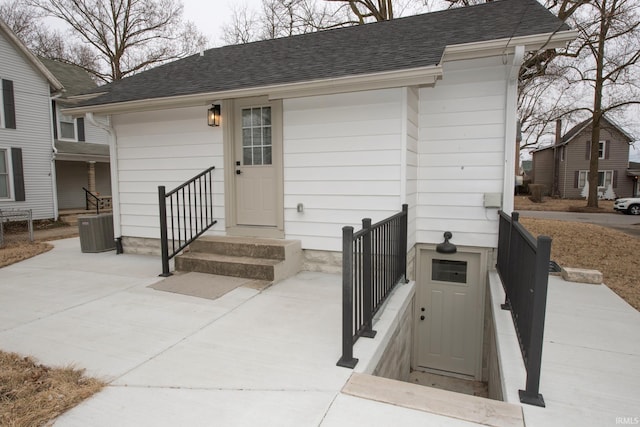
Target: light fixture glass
(213,115)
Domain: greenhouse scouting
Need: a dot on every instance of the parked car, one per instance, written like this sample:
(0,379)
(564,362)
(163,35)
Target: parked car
(629,205)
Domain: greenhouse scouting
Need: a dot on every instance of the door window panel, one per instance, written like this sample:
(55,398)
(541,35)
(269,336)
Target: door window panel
(256,136)
(445,270)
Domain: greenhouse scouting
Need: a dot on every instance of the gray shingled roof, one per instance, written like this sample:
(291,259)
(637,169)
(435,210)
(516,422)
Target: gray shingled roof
(404,43)
(74,79)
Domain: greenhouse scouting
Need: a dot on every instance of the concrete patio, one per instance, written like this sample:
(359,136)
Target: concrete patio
(268,358)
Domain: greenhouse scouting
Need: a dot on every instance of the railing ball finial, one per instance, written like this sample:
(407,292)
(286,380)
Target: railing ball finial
(447,247)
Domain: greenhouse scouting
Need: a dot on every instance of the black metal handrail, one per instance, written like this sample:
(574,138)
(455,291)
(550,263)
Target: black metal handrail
(91,199)
(374,261)
(523,266)
(99,202)
(190,214)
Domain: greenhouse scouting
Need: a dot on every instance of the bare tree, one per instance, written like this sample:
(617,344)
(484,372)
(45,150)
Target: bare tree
(243,26)
(607,50)
(117,38)
(366,10)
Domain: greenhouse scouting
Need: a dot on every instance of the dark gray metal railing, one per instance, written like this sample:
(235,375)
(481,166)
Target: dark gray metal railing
(523,266)
(98,202)
(185,213)
(374,261)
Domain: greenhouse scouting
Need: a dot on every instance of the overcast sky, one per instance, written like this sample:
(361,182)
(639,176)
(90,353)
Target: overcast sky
(210,15)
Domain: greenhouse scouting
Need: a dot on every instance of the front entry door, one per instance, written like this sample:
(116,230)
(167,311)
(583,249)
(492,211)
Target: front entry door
(256,148)
(448,313)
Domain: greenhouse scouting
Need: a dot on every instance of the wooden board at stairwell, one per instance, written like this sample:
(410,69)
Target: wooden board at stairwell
(446,403)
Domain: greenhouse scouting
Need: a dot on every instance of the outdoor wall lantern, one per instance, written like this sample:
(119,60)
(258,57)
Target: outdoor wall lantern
(447,247)
(213,115)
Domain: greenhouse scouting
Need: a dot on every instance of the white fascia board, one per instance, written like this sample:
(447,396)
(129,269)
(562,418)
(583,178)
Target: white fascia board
(507,46)
(390,79)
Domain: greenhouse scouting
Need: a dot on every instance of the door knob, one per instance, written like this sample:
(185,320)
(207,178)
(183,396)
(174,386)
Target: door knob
(421,317)
(238,172)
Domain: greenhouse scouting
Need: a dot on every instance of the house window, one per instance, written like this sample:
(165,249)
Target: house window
(67,127)
(256,136)
(602,145)
(5,192)
(605,179)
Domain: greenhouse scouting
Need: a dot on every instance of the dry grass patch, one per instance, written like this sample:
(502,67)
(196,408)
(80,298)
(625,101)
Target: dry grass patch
(32,394)
(594,247)
(13,252)
(523,203)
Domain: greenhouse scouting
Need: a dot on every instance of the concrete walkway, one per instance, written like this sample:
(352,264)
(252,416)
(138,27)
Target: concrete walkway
(248,358)
(268,358)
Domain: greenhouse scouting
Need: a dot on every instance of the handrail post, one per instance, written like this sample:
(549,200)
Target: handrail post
(515,216)
(404,241)
(347,360)
(367,281)
(164,244)
(531,394)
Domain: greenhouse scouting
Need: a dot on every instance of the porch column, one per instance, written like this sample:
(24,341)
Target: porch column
(92,177)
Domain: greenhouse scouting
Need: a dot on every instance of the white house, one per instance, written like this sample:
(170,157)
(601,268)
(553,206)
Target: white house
(27,172)
(321,130)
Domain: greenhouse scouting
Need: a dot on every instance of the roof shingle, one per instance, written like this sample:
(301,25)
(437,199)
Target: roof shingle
(404,43)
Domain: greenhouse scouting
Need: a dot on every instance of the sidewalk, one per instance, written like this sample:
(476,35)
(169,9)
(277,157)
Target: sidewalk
(247,358)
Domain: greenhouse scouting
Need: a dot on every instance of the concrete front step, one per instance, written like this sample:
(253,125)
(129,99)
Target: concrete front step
(251,258)
(245,247)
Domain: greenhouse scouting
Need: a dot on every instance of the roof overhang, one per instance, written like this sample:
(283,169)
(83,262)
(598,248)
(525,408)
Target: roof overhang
(421,76)
(507,46)
(53,81)
(81,151)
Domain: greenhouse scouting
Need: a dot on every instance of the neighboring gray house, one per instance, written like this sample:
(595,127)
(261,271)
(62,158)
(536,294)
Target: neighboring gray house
(563,168)
(317,131)
(26,166)
(81,149)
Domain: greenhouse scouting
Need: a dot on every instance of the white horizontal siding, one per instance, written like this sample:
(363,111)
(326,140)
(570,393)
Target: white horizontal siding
(94,134)
(461,153)
(32,133)
(411,160)
(167,148)
(342,161)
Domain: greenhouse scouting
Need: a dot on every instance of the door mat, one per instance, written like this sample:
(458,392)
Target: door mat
(203,285)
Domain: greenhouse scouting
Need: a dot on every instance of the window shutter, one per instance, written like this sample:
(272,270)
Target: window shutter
(18,175)
(606,149)
(80,125)
(9,104)
(575,179)
(587,153)
(615,178)
(55,119)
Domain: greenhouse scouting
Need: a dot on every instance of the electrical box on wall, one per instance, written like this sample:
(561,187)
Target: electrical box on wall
(492,200)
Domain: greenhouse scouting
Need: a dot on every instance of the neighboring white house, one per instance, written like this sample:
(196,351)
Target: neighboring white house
(81,149)
(27,174)
(321,130)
